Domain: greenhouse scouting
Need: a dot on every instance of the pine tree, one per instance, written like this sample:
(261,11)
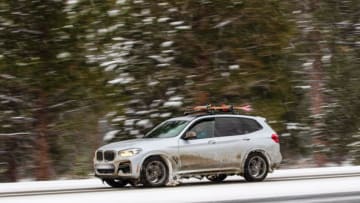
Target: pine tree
(342,122)
(47,84)
(326,44)
(174,54)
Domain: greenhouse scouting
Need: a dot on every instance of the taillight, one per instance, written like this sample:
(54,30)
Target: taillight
(275,137)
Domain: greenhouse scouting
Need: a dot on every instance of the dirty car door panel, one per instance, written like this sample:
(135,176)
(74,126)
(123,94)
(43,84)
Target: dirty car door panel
(200,153)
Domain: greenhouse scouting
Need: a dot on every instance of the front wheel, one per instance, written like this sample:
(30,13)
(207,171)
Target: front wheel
(256,167)
(116,182)
(154,173)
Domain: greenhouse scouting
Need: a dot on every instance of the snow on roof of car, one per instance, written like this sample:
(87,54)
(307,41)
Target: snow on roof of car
(193,116)
(184,118)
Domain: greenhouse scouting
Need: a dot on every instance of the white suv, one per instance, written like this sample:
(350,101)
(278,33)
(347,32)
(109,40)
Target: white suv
(211,146)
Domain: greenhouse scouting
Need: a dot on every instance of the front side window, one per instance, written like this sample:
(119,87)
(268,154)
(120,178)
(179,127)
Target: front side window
(235,126)
(167,129)
(203,129)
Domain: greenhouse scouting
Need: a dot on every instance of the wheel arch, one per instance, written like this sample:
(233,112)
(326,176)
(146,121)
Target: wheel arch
(170,162)
(261,151)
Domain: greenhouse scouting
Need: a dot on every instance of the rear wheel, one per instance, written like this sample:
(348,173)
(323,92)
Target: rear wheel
(155,172)
(256,167)
(216,178)
(116,182)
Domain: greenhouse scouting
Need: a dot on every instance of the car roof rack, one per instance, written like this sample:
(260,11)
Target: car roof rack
(209,109)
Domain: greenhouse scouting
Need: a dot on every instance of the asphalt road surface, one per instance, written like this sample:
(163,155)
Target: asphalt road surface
(306,185)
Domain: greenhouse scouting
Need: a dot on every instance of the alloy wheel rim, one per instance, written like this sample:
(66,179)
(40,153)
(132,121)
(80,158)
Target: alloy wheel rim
(257,167)
(155,172)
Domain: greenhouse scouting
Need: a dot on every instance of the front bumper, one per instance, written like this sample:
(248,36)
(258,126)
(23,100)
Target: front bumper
(118,168)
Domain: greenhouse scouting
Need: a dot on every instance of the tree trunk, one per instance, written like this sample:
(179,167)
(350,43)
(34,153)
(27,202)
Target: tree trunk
(41,127)
(311,34)
(316,75)
(12,166)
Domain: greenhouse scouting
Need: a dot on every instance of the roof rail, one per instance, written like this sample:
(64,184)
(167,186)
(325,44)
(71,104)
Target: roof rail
(209,109)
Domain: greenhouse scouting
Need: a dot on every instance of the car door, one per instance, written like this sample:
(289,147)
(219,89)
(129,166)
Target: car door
(200,153)
(234,139)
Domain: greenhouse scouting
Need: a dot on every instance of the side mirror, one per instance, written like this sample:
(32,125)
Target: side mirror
(190,135)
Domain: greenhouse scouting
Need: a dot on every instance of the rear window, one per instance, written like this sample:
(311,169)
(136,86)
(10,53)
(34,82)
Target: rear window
(229,126)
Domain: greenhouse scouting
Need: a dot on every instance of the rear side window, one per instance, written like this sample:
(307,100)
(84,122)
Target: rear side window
(249,125)
(227,127)
(235,126)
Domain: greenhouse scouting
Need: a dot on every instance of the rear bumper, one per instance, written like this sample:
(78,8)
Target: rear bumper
(275,164)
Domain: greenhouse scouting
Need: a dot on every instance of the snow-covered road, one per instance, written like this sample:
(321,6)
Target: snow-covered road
(334,184)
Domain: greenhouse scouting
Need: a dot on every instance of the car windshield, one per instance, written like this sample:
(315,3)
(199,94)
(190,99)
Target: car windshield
(167,129)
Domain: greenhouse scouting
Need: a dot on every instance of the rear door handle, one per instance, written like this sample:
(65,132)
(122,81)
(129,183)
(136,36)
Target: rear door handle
(211,142)
(246,139)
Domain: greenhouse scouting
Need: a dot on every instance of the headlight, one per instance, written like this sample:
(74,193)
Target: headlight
(129,152)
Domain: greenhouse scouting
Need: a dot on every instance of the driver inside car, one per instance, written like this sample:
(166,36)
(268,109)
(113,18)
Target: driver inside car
(202,130)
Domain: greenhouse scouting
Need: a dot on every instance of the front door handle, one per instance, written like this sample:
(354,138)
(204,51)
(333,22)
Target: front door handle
(246,139)
(212,142)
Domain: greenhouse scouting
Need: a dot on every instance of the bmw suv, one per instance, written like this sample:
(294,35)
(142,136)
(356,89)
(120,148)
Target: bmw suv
(206,146)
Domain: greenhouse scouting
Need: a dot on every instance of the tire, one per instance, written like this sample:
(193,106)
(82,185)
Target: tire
(116,183)
(154,172)
(217,178)
(256,167)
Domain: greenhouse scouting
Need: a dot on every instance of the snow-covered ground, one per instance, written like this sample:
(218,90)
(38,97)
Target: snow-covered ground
(281,183)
